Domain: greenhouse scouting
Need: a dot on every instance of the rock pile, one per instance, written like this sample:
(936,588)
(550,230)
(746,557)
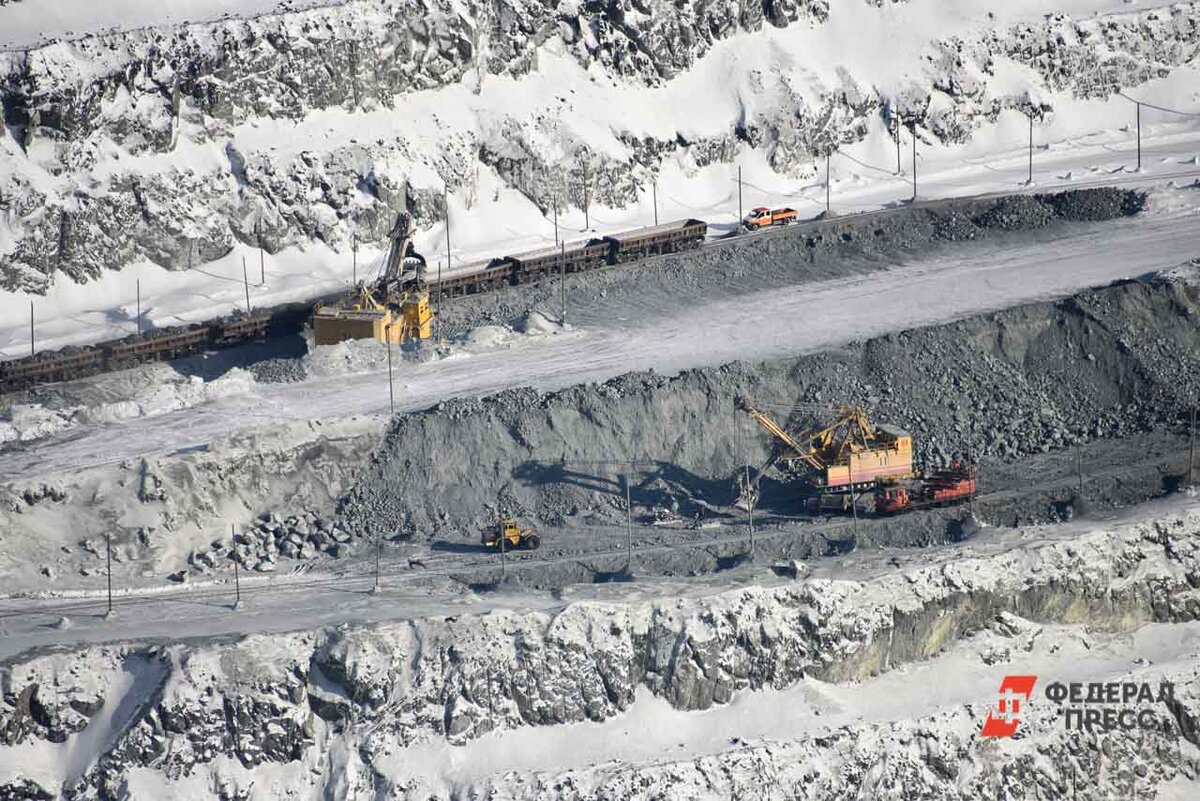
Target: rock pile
(1003,386)
(270,538)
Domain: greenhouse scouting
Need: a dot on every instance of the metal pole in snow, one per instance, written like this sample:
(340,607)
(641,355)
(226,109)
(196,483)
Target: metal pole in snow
(246,281)
(378,552)
(108,558)
(387,335)
(914,149)
(1139,135)
(1030,181)
(354,251)
(899,170)
(1079,467)
(628,525)
(437,320)
(973,467)
(503,556)
(827,184)
(446,200)
(562,279)
(262,262)
(556,220)
(853,500)
(237,579)
(587,224)
(750,500)
(654,190)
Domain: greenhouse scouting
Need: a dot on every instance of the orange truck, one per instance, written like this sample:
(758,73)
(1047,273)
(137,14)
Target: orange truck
(764,216)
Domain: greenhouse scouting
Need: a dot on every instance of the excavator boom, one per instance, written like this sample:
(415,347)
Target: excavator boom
(401,250)
(850,452)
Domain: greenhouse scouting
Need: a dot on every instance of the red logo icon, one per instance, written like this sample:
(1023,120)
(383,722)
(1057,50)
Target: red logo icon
(1004,719)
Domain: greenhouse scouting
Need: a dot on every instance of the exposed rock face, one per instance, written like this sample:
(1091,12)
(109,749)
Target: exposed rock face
(932,758)
(188,98)
(288,700)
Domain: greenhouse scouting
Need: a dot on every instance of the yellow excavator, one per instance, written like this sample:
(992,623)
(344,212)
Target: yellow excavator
(509,536)
(393,309)
(849,453)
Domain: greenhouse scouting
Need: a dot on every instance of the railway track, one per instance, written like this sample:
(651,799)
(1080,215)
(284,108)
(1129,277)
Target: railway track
(288,319)
(627,247)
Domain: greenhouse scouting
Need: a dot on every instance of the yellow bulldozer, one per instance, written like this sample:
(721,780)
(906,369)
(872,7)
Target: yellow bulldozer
(509,536)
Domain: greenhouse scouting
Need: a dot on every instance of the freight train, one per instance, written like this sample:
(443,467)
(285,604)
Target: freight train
(512,270)
(158,345)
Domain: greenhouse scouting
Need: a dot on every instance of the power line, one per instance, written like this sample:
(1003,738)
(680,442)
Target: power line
(842,153)
(1160,108)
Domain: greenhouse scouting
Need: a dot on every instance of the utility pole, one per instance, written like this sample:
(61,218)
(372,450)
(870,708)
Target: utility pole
(32,346)
(246,281)
(853,500)
(973,467)
(503,554)
(237,579)
(562,280)
(437,320)
(108,558)
(739,217)
(899,170)
(750,500)
(1030,181)
(446,200)
(1079,466)
(1139,135)
(914,157)
(378,553)
(628,525)
(387,335)
(237,586)
(827,184)
(654,191)
(354,257)
(586,200)
(138,318)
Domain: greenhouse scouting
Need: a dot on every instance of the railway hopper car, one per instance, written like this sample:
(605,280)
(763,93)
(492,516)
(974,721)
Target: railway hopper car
(472,278)
(168,343)
(242,328)
(575,257)
(655,240)
(48,366)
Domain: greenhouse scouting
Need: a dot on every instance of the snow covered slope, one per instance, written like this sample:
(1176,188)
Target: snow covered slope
(184,142)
